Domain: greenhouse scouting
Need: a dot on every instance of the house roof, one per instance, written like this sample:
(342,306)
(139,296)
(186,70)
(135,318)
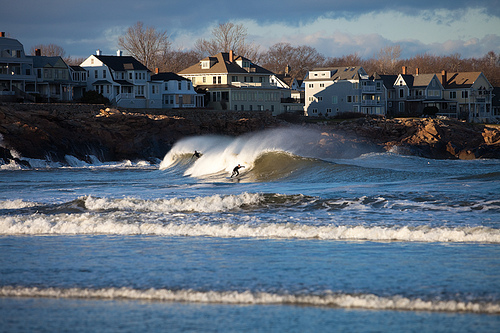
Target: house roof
(101,82)
(422,80)
(223,65)
(44,61)
(167,76)
(121,63)
(286,78)
(387,80)
(460,79)
(78,69)
(339,73)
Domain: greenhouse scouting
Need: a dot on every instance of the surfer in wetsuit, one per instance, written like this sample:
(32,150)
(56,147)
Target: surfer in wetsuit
(236,170)
(196,154)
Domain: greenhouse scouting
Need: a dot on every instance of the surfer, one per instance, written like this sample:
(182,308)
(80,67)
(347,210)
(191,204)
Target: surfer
(196,154)
(236,170)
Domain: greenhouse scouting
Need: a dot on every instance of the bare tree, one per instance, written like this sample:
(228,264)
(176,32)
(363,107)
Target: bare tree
(48,50)
(387,59)
(145,44)
(177,60)
(299,58)
(225,37)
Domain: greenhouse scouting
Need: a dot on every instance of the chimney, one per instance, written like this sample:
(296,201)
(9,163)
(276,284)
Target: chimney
(98,52)
(2,33)
(417,71)
(231,56)
(38,52)
(157,70)
(119,53)
(404,70)
(444,77)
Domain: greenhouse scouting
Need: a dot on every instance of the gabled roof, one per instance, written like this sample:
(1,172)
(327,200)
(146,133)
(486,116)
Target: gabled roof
(422,80)
(167,76)
(460,79)
(121,63)
(223,65)
(387,80)
(286,79)
(44,61)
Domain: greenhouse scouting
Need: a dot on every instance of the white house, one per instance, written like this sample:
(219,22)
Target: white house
(175,91)
(122,79)
(334,90)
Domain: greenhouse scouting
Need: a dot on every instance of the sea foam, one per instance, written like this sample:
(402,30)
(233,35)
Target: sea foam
(327,299)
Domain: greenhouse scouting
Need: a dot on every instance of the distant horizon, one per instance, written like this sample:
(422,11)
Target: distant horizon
(333,28)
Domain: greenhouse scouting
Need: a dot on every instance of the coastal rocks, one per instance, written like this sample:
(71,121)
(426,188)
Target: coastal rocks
(52,131)
(435,138)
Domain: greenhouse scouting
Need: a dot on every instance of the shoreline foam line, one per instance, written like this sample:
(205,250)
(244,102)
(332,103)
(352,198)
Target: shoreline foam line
(333,300)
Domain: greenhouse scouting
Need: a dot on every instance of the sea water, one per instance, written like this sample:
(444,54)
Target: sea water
(301,241)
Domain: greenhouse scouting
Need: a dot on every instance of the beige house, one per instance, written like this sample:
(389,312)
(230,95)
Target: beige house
(468,96)
(232,82)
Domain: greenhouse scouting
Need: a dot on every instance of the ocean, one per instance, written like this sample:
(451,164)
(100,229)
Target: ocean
(308,238)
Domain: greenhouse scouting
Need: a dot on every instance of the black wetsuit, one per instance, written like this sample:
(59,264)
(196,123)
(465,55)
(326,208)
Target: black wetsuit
(235,170)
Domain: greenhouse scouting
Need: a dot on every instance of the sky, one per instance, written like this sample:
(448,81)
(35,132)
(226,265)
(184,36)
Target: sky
(334,27)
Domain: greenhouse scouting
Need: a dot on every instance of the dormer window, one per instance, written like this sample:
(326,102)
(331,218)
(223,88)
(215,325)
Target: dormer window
(205,64)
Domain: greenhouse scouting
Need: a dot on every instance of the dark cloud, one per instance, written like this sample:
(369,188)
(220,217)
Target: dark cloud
(81,27)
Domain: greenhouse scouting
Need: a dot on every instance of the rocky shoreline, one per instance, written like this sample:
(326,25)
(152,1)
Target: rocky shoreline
(52,131)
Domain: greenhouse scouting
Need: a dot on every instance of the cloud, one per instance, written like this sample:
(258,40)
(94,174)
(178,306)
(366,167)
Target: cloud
(331,26)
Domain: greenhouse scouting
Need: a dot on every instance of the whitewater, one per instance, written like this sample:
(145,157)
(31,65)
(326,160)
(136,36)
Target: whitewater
(314,233)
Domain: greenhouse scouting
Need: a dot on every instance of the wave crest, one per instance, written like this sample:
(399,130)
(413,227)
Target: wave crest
(327,299)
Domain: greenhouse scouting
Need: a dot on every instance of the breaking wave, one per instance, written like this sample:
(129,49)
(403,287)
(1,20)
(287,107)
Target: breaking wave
(266,156)
(327,299)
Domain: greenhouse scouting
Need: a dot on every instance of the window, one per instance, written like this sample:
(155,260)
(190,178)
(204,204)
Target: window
(465,94)
(179,85)
(219,79)
(234,78)
(96,74)
(311,85)
(189,85)
(314,110)
(335,100)
(328,110)
(103,73)
(349,99)
(214,80)
(320,98)
(204,79)
(453,94)
(401,93)
(130,76)
(321,85)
